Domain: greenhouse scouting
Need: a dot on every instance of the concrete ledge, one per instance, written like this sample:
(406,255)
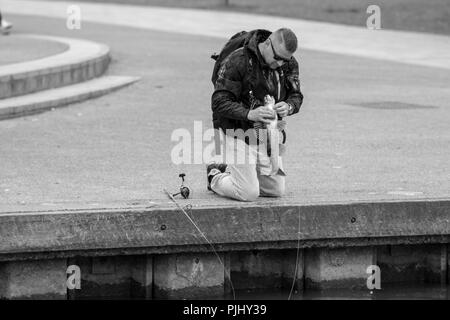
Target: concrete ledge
(409,264)
(28,234)
(178,276)
(338,267)
(54,98)
(84,60)
(44,279)
(113,277)
(267,269)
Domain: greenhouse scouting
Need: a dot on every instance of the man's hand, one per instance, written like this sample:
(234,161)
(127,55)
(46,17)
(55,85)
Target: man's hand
(282,108)
(263,114)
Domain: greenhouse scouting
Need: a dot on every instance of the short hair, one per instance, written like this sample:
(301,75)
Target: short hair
(288,38)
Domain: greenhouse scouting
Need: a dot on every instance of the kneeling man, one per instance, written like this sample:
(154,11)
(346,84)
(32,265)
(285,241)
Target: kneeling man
(263,66)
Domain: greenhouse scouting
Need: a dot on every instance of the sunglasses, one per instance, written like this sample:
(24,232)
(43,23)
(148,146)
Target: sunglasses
(276,56)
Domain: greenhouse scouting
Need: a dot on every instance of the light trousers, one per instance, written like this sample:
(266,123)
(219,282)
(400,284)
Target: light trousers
(247,177)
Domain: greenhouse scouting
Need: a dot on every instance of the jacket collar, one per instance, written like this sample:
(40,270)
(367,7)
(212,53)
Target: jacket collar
(260,35)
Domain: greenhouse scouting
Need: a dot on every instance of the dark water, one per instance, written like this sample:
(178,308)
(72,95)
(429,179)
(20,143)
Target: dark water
(389,292)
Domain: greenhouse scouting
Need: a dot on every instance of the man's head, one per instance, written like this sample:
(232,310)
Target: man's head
(279,47)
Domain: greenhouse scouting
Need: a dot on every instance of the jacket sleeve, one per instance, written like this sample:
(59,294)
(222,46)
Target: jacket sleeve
(227,89)
(294,95)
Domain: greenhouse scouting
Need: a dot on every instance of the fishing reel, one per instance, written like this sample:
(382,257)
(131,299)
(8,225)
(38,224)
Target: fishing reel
(185,191)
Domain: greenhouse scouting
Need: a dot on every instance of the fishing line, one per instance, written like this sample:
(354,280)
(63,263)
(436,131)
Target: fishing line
(296,260)
(203,235)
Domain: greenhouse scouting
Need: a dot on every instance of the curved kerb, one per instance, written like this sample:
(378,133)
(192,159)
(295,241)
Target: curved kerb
(84,60)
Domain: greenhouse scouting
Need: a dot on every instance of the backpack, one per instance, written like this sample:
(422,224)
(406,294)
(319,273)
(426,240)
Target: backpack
(235,42)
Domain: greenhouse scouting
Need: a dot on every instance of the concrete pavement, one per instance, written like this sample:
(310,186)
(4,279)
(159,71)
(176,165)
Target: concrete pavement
(406,47)
(369,130)
(87,181)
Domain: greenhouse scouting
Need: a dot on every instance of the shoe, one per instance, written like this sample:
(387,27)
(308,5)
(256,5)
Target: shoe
(5,26)
(212,170)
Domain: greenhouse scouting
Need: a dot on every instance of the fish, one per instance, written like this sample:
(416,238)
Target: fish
(273,136)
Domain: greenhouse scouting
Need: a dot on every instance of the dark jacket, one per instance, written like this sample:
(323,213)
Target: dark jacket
(243,81)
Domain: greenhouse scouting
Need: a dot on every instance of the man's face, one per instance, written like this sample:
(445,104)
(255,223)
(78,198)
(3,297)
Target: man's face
(277,53)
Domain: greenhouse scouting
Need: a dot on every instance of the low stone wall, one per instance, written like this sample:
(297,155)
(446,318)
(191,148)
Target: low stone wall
(204,276)
(155,254)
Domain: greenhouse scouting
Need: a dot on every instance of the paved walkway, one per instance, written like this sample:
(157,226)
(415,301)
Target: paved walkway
(407,47)
(369,130)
